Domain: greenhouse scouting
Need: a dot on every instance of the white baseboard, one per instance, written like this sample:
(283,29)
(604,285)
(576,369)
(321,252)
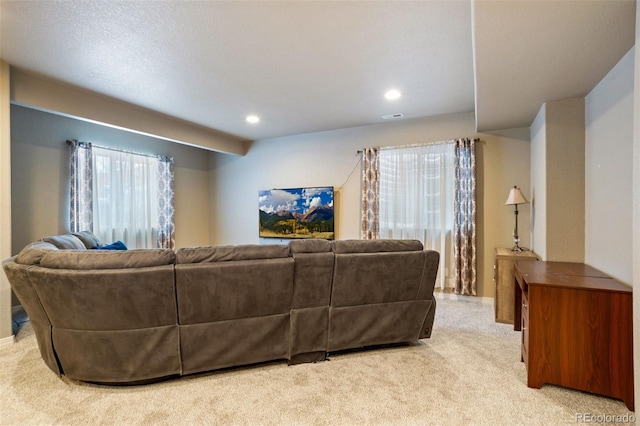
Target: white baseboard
(6,341)
(453,296)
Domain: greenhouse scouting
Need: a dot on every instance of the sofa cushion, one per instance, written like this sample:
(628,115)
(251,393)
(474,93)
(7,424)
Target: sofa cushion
(310,246)
(375,246)
(107,259)
(229,253)
(88,238)
(33,252)
(66,241)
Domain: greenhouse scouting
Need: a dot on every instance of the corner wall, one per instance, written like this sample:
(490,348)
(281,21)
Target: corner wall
(329,159)
(609,172)
(538,189)
(557,176)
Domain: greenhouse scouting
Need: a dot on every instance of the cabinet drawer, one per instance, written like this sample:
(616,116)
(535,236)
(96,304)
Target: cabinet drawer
(503,273)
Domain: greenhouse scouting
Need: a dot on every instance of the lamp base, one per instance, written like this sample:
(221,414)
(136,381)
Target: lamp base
(518,248)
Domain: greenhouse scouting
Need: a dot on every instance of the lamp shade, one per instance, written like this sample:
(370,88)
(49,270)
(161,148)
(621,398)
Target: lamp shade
(515,197)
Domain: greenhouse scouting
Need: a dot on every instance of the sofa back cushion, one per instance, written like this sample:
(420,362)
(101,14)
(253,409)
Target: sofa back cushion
(376,271)
(98,259)
(375,246)
(106,299)
(231,282)
(230,253)
(309,246)
(220,291)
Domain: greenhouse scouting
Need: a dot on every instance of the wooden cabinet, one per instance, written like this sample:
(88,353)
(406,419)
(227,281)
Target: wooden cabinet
(576,328)
(503,275)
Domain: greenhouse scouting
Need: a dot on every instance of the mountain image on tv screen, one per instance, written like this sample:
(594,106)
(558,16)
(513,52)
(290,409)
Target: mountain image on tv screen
(296,213)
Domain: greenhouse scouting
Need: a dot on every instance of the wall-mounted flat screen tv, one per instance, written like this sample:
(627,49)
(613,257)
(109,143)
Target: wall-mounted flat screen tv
(295,213)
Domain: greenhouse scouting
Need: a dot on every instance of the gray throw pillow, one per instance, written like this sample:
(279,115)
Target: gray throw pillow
(66,241)
(88,238)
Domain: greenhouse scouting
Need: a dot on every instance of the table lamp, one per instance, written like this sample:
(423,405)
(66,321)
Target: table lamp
(515,198)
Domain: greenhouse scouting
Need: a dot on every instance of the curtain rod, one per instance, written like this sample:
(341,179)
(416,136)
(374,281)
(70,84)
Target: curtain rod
(413,145)
(70,141)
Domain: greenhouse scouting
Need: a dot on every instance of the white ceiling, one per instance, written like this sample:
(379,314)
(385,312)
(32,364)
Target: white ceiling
(311,66)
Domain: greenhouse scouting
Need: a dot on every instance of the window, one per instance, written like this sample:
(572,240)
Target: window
(122,196)
(426,192)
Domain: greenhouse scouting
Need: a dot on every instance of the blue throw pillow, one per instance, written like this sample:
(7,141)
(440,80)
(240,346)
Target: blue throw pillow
(118,245)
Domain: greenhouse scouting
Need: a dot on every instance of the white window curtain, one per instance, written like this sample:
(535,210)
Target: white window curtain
(122,196)
(125,198)
(417,198)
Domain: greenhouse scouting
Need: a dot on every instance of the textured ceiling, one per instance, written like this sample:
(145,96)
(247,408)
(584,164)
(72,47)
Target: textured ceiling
(313,66)
(530,52)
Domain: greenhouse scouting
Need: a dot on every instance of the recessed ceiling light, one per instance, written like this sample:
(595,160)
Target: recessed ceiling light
(392,94)
(392,116)
(253,119)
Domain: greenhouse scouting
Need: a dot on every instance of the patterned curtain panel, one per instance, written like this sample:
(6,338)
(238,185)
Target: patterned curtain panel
(81,169)
(166,228)
(370,209)
(465,217)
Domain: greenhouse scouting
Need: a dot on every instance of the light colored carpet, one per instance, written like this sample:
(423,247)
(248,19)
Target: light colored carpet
(469,372)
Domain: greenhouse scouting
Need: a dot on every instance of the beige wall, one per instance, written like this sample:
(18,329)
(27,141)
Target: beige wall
(609,172)
(505,163)
(6,334)
(557,176)
(328,158)
(40,175)
(565,180)
(538,188)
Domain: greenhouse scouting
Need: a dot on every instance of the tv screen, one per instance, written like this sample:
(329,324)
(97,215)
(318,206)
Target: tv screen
(294,213)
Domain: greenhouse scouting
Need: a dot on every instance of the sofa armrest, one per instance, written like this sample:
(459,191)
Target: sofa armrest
(428,283)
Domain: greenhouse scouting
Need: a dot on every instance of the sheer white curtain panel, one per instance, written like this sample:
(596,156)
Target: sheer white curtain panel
(417,196)
(132,180)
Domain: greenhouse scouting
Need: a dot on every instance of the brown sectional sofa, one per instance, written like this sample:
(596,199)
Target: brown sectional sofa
(140,315)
